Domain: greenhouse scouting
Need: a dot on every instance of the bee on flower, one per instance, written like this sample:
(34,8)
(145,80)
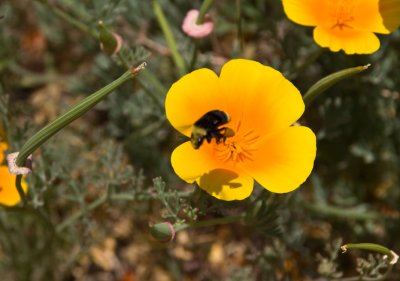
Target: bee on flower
(240,129)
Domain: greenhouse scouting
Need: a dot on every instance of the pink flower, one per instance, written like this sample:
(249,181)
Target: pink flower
(191,28)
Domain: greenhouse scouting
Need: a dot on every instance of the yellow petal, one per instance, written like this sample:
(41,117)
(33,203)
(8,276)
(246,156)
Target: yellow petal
(367,17)
(304,12)
(224,184)
(258,97)
(9,195)
(349,40)
(190,98)
(285,160)
(190,164)
(3,148)
(218,179)
(390,12)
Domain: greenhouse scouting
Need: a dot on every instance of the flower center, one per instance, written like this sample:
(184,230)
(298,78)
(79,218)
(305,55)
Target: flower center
(239,147)
(342,13)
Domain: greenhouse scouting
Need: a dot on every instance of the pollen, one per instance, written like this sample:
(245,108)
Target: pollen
(238,148)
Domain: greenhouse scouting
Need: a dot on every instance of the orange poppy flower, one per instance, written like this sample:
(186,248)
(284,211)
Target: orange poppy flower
(3,148)
(9,195)
(263,146)
(347,25)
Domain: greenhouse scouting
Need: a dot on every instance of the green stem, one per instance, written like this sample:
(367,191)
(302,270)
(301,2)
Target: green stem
(310,60)
(338,212)
(239,25)
(157,98)
(178,59)
(20,190)
(211,222)
(103,199)
(73,113)
(371,247)
(145,196)
(72,219)
(203,11)
(68,18)
(81,26)
(193,60)
(374,248)
(330,80)
(154,81)
(123,60)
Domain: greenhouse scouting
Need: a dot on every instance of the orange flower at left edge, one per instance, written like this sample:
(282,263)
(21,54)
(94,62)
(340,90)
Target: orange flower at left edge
(260,106)
(9,195)
(3,148)
(348,25)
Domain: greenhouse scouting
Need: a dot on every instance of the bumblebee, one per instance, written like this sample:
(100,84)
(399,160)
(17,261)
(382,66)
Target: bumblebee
(209,127)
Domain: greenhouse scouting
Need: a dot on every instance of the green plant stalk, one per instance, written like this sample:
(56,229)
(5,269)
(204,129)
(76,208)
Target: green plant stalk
(83,27)
(330,80)
(205,7)
(73,113)
(162,20)
(310,60)
(239,25)
(20,190)
(72,219)
(374,248)
(369,247)
(338,212)
(68,18)
(103,199)
(145,196)
(154,81)
(195,53)
(211,222)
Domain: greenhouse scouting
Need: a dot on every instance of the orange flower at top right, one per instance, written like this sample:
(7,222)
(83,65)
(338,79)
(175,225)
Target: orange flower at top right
(347,25)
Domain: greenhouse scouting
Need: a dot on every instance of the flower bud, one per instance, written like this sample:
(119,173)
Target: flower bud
(191,28)
(110,42)
(163,232)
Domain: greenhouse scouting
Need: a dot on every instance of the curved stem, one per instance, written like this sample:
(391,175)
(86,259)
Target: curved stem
(72,219)
(20,190)
(73,113)
(325,83)
(193,60)
(239,25)
(211,222)
(68,18)
(162,20)
(203,11)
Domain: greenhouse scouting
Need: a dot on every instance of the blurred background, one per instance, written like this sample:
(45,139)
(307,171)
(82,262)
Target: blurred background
(102,181)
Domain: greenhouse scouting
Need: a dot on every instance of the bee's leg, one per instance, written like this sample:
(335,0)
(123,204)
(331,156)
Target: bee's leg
(199,141)
(220,135)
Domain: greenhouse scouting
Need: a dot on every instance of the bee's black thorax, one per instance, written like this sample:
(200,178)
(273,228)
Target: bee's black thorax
(212,119)
(208,127)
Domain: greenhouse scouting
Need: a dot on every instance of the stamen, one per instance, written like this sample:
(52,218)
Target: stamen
(238,148)
(342,13)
